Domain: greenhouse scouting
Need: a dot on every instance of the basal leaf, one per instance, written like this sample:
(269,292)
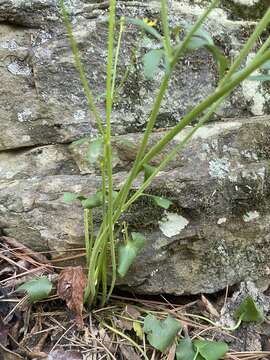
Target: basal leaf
(185,350)
(148,171)
(162,202)
(161,333)
(92,201)
(37,289)
(151,61)
(128,252)
(143,25)
(211,350)
(94,151)
(249,311)
(69,197)
(196,43)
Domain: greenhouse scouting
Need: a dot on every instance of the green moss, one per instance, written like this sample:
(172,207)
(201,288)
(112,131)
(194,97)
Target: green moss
(239,11)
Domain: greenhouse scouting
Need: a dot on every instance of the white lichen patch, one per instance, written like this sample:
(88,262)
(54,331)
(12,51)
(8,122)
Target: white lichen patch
(219,168)
(17,68)
(208,131)
(221,221)
(80,115)
(172,224)
(25,115)
(246,2)
(251,215)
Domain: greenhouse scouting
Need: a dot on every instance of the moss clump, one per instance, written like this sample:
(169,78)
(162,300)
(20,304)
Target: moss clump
(239,11)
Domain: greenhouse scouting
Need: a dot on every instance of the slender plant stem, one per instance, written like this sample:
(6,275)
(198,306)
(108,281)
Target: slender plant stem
(225,90)
(84,81)
(86,235)
(166,31)
(121,198)
(121,30)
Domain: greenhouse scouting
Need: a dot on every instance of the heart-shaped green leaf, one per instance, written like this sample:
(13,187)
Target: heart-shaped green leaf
(128,252)
(211,350)
(248,311)
(37,289)
(162,202)
(151,61)
(161,333)
(94,151)
(185,350)
(69,197)
(92,201)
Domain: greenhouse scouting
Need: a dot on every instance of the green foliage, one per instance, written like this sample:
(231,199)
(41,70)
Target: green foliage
(169,48)
(151,61)
(202,38)
(161,333)
(69,197)
(185,350)
(200,349)
(248,311)
(37,289)
(162,202)
(210,350)
(128,252)
(95,151)
(93,201)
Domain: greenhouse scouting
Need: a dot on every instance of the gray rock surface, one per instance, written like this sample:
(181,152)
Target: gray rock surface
(217,232)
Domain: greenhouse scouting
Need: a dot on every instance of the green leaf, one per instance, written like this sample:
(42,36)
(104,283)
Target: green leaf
(211,350)
(69,197)
(148,171)
(185,350)
(220,59)
(128,252)
(115,194)
(248,311)
(162,202)
(202,38)
(144,26)
(37,289)
(161,333)
(151,61)
(266,65)
(92,201)
(94,151)
(259,77)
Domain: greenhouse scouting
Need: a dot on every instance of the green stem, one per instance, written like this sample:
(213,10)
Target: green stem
(225,90)
(86,235)
(165,27)
(122,26)
(232,328)
(121,198)
(84,81)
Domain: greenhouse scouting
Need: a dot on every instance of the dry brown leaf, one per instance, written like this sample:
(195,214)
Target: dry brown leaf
(132,312)
(209,307)
(71,284)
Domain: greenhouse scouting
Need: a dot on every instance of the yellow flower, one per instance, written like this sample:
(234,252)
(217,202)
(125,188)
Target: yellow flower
(150,22)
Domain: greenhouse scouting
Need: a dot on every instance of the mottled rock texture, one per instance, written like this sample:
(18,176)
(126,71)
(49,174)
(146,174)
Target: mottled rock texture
(217,233)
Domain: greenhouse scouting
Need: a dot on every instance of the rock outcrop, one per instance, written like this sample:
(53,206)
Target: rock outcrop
(217,233)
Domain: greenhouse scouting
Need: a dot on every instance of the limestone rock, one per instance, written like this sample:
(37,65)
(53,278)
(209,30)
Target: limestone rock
(216,233)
